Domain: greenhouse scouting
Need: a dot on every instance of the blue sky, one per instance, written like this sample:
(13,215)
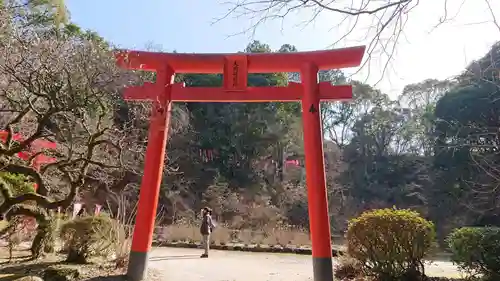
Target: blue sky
(187,26)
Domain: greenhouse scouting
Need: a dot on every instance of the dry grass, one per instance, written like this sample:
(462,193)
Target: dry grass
(224,235)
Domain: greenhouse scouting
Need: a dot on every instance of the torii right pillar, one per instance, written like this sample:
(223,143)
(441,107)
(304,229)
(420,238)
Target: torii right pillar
(319,219)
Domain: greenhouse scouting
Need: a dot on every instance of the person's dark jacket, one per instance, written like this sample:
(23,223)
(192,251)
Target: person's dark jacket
(207,225)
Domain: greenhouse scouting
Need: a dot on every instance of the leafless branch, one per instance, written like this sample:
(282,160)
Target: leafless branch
(492,13)
(383,22)
(388,18)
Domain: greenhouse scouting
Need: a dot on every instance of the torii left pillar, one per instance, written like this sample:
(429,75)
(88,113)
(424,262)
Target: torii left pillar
(153,169)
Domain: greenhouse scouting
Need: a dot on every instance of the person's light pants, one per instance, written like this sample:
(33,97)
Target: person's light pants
(206,243)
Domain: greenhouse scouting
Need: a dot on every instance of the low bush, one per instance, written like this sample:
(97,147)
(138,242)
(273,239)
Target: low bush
(477,250)
(85,237)
(347,268)
(390,244)
(15,232)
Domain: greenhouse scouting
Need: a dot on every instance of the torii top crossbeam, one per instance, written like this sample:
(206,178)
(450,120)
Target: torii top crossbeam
(235,69)
(257,62)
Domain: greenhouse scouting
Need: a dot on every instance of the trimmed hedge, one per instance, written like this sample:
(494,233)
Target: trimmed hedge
(477,250)
(390,244)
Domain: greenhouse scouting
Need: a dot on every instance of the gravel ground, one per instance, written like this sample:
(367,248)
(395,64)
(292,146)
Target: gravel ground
(178,264)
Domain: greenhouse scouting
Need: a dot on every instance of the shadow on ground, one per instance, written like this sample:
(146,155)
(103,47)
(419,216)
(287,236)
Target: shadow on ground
(180,257)
(108,278)
(18,269)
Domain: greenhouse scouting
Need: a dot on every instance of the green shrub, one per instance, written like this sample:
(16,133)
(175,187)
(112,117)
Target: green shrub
(85,237)
(390,244)
(18,183)
(477,250)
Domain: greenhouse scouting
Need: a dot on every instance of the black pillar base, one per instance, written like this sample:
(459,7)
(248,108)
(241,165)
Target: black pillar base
(137,266)
(323,269)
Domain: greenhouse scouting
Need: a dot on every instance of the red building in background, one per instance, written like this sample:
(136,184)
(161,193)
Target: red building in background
(36,146)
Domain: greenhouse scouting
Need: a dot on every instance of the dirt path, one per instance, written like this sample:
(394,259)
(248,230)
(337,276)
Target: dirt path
(179,264)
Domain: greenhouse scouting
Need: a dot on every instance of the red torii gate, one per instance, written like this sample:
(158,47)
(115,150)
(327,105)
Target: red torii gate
(235,69)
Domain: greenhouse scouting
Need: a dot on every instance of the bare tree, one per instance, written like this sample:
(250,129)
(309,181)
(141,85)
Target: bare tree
(480,175)
(62,88)
(381,22)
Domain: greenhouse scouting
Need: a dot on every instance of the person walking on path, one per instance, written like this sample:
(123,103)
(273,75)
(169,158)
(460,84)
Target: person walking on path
(207,226)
